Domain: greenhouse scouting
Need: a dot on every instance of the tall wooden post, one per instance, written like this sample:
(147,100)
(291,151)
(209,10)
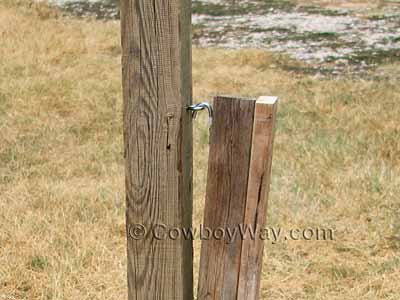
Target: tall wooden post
(156,68)
(237,191)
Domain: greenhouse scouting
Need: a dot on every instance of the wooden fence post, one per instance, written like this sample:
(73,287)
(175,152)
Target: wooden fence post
(156,69)
(237,189)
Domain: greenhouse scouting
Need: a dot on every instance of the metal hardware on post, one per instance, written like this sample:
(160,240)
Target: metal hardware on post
(201,106)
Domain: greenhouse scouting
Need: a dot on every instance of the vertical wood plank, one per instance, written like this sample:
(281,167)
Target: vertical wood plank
(257,197)
(156,69)
(237,186)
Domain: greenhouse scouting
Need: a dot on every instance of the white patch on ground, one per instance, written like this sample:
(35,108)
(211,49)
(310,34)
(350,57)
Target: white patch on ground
(349,34)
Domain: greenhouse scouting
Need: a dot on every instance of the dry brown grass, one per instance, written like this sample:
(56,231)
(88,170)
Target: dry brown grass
(336,164)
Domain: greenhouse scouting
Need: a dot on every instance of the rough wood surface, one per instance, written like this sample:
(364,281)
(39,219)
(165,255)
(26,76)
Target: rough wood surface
(156,69)
(257,197)
(237,186)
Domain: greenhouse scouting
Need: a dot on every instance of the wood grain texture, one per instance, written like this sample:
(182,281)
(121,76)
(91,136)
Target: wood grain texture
(228,168)
(257,196)
(156,69)
(237,187)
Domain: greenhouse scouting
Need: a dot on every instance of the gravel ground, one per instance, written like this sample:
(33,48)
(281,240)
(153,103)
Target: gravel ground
(332,40)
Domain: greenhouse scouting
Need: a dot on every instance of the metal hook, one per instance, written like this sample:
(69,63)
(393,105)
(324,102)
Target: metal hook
(201,106)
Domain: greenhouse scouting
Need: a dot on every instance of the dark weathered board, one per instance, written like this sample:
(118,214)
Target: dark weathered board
(156,67)
(237,186)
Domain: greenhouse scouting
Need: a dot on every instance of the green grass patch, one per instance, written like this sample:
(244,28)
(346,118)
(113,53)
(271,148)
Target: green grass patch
(313,36)
(375,56)
(38,263)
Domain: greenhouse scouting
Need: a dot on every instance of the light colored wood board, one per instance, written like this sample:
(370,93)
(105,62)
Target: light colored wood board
(257,196)
(156,67)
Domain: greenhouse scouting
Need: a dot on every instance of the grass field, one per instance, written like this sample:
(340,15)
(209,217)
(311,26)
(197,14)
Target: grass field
(62,231)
